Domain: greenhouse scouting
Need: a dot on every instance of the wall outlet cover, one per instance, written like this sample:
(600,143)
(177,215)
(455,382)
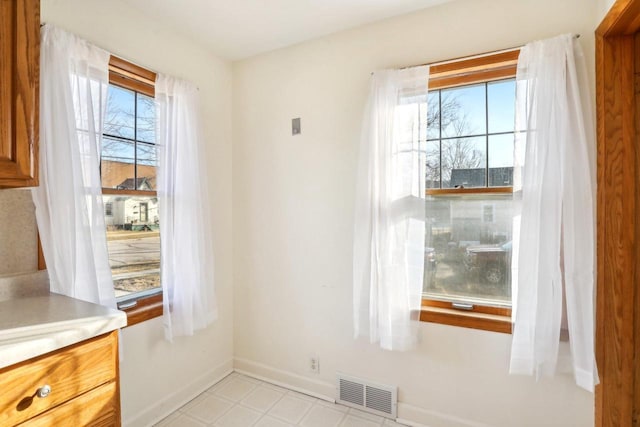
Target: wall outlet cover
(295,126)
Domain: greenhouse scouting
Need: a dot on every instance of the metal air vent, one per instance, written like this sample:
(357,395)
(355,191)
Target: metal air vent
(366,396)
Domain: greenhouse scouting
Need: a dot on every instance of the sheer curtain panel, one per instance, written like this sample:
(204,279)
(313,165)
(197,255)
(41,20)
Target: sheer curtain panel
(186,253)
(74,76)
(389,229)
(556,257)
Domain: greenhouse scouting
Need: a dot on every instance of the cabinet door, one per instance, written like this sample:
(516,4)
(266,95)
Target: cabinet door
(19,77)
(97,408)
(68,372)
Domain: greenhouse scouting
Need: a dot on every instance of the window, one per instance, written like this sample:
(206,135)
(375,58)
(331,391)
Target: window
(470,131)
(128,171)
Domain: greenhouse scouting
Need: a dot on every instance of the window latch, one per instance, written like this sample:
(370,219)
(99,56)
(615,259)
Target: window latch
(462,306)
(125,305)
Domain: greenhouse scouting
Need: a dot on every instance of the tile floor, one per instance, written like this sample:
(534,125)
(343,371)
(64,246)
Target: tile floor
(241,401)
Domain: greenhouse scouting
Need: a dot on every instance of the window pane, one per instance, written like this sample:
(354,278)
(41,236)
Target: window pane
(464,162)
(146,119)
(133,239)
(120,117)
(501,160)
(433,165)
(433,115)
(468,248)
(117,164)
(463,111)
(501,106)
(147,162)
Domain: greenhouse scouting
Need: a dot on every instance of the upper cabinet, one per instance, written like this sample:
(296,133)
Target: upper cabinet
(19,76)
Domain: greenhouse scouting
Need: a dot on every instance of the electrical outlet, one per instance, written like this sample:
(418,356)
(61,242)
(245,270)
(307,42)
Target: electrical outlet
(314,364)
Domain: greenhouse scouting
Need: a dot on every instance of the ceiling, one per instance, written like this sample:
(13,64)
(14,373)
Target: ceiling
(236,29)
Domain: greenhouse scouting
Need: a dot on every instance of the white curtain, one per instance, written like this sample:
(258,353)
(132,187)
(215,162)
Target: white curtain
(185,215)
(389,230)
(557,231)
(73,85)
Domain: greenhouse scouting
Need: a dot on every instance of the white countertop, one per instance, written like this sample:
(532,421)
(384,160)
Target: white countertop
(35,325)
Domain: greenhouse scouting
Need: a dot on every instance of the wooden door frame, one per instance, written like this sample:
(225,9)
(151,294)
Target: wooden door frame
(618,266)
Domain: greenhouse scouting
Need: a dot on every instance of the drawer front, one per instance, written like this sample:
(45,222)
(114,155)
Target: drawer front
(96,408)
(69,372)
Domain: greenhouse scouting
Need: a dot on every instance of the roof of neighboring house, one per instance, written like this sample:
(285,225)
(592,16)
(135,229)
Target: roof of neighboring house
(118,174)
(142,183)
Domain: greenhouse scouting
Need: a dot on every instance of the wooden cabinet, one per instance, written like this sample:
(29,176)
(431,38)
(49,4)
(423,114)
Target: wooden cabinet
(83,385)
(19,77)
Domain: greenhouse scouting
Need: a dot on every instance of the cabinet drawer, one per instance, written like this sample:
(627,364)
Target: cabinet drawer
(96,408)
(69,372)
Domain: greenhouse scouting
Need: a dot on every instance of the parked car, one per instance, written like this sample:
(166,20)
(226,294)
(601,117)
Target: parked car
(491,262)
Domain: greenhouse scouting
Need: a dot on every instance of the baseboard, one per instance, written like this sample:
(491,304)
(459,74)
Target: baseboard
(415,416)
(312,387)
(179,398)
(407,414)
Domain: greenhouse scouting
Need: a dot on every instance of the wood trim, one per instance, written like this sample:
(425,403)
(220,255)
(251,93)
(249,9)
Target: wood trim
(42,265)
(484,309)
(622,19)
(123,66)
(478,63)
(461,191)
(118,405)
(127,83)
(617,399)
(146,308)
(486,68)
(494,319)
(475,77)
(116,192)
(131,76)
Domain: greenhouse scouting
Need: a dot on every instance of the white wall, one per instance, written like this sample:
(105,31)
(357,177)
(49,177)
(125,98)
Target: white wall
(157,375)
(293,200)
(603,8)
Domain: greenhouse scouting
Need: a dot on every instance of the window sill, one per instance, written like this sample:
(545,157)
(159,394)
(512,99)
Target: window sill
(465,319)
(146,308)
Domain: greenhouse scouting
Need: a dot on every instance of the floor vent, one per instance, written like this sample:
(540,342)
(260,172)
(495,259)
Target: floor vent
(367,396)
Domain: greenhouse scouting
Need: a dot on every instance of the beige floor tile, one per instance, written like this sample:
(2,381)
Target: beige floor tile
(235,389)
(239,416)
(334,406)
(275,387)
(268,421)
(322,416)
(391,423)
(241,401)
(208,409)
(302,396)
(262,399)
(353,421)
(185,421)
(366,415)
(290,409)
(167,421)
